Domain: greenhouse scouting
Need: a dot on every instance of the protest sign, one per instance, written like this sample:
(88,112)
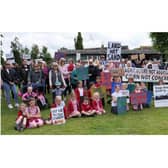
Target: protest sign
(9,56)
(125,93)
(142,56)
(82,73)
(138,98)
(160,95)
(121,105)
(101,90)
(145,75)
(114,51)
(134,57)
(59,55)
(106,79)
(117,72)
(57,115)
(78,56)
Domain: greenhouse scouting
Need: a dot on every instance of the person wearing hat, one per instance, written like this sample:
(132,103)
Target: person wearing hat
(8,78)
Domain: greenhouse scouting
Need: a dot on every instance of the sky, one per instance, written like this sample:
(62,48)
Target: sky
(54,41)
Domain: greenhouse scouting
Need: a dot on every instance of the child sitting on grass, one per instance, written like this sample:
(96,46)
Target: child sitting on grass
(21,120)
(58,104)
(97,104)
(33,115)
(73,107)
(86,108)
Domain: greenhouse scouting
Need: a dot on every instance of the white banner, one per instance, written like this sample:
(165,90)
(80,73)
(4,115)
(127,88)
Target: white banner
(114,51)
(57,114)
(145,75)
(160,95)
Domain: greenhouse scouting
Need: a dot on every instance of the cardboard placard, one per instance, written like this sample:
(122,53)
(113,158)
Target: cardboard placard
(134,57)
(57,115)
(106,79)
(138,98)
(82,73)
(121,105)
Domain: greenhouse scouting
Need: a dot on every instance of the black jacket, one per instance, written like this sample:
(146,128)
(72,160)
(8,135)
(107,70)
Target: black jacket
(8,77)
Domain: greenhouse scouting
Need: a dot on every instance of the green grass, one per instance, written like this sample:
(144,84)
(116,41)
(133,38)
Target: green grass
(149,121)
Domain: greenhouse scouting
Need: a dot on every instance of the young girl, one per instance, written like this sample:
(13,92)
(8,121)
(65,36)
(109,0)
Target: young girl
(58,103)
(29,94)
(97,104)
(33,115)
(79,93)
(86,108)
(137,107)
(73,107)
(21,120)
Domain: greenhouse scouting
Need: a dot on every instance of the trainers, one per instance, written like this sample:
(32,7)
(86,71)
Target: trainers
(10,106)
(16,105)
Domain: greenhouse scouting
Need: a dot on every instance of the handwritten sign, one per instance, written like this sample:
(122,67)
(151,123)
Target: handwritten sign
(106,79)
(114,51)
(57,115)
(138,98)
(121,105)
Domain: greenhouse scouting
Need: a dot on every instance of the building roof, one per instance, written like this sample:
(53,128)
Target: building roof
(103,51)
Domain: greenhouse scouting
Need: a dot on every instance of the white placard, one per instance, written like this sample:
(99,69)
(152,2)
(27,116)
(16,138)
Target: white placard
(160,95)
(9,56)
(114,51)
(78,56)
(57,115)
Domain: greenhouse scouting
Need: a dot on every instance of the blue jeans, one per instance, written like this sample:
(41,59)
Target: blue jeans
(7,89)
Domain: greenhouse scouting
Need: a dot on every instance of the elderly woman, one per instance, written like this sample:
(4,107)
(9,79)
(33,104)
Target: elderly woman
(56,81)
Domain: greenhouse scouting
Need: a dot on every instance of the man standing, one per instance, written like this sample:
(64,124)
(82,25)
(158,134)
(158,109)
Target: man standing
(8,77)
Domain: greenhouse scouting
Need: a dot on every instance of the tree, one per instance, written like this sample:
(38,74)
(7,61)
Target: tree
(45,54)
(16,49)
(35,51)
(160,42)
(79,42)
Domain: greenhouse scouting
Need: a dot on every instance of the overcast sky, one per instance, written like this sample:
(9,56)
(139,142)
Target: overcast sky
(55,41)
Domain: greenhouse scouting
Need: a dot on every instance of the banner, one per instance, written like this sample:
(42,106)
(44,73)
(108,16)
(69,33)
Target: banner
(138,98)
(106,79)
(101,90)
(160,95)
(82,73)
(121,105)
(145,75)
(57,115)
(114,51)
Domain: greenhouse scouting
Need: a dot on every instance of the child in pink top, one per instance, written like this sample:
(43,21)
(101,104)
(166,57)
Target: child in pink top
(33,115)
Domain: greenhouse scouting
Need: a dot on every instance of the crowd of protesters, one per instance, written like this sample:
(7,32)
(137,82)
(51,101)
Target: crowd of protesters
(33,82)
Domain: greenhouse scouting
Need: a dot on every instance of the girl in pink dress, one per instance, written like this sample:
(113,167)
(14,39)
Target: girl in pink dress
(33,115)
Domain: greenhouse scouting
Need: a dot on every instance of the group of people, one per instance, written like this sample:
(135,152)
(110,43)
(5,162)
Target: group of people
(34,81)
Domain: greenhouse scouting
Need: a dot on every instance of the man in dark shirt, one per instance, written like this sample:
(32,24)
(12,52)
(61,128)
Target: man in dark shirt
(8,77)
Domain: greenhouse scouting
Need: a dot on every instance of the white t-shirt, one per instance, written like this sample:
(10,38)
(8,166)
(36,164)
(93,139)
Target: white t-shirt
(115,95)
(80,91)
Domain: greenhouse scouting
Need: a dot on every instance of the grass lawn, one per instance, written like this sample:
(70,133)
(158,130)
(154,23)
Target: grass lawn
(149,121)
